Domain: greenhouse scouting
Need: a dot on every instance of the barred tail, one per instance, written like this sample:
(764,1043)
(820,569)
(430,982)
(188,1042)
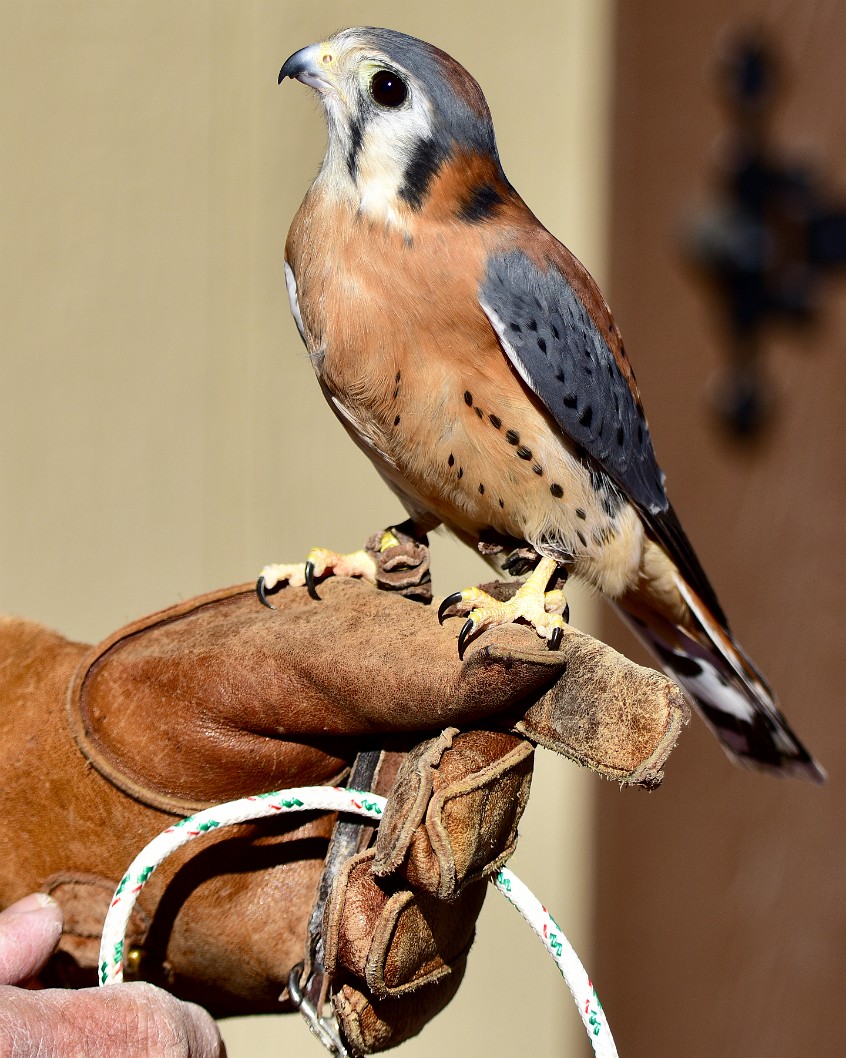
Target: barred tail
(727,689)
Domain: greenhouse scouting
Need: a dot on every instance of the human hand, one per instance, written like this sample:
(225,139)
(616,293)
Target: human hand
(132,1019)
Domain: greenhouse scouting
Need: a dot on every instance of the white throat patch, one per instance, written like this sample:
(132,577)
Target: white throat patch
(387,143)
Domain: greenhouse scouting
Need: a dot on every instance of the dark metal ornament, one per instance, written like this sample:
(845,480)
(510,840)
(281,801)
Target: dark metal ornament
(769,240)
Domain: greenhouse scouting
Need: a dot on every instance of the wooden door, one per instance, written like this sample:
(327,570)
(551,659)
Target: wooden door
(721,899)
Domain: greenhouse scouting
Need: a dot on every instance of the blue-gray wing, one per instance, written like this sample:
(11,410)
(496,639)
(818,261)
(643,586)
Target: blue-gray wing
(560,353)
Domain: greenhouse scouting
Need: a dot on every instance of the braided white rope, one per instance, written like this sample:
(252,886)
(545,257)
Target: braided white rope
(359,802)
(575,976)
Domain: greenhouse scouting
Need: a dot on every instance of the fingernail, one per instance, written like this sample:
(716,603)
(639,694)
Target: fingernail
(33,902)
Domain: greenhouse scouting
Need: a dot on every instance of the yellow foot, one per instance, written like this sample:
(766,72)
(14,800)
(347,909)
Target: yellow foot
(319,563)
(546,611)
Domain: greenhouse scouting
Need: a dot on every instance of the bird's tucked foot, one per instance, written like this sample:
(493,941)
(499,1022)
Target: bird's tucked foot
(546,611)
(318,564)
(393,560)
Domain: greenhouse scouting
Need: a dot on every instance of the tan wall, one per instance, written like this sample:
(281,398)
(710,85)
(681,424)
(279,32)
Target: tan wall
(160,431)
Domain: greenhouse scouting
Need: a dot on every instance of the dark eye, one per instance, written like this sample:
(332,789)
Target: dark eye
(388,89)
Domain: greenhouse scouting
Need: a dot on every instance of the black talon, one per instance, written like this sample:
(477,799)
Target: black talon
(555,638)
(309,579)
(450,600)
(565,613)
(517,564)
(466,629)
(261,591)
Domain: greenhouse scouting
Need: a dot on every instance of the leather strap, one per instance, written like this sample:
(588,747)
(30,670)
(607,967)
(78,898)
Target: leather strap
(348,837)
(309,983)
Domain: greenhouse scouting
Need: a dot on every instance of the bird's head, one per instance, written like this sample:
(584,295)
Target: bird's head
(398,110)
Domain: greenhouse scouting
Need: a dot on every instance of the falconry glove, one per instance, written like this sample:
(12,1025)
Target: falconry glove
(218,698)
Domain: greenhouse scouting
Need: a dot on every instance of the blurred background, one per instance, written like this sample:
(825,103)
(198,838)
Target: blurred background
(161,433)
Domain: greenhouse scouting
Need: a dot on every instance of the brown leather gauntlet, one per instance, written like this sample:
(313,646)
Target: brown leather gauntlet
(217,698)
(401,917)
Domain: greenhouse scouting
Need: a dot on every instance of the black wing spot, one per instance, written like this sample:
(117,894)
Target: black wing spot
(496,422)
(580,513)
(451,460)
(481,489)
(524,453)
(512,437)
(461,472)
(556,490)
(502,504)
(479,412)
(537,468)
(582,538)
(468,398)
(580,376)
(396,420)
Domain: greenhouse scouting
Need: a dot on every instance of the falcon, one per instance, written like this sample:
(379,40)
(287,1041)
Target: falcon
(475,361)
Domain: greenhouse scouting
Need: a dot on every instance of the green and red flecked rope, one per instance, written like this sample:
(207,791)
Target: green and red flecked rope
(357,802)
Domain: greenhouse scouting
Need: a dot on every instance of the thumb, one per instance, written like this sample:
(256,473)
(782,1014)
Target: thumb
(29,932)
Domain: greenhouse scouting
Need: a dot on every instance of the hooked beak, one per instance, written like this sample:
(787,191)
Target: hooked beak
(309,65)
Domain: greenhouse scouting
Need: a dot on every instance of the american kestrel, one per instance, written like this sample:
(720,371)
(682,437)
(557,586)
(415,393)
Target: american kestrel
(475,361)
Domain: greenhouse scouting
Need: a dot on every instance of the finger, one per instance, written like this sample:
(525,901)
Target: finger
(204,1036)
(147,1020)
(119,1021)
(29,932)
